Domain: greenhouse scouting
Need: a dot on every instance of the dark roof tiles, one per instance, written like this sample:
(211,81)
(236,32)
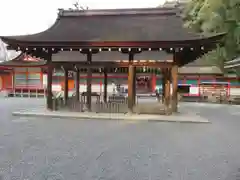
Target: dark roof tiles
(200,70)
(23,61)
(148,24)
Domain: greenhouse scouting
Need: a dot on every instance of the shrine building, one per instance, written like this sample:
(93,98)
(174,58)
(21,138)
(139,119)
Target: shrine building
(115,39)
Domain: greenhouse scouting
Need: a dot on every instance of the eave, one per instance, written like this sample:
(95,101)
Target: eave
(232,64)
(19,62)
(111,44)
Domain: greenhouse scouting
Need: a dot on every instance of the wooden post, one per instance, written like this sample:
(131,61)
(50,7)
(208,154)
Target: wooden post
(163,84)
(154,82)
(167,91)
(49,84)
(175,88)
(131,84)
(174,75)
(89,83)
(105,85)
(134,86)
(66,85)
(77,84)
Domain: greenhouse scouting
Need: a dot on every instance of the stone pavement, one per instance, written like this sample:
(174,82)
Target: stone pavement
(3,94)
(185,117)
(37,148)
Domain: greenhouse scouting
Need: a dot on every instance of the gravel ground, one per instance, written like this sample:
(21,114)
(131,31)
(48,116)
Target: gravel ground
(40,148)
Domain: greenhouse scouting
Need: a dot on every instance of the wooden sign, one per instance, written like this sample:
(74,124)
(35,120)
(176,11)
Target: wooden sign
(61,74)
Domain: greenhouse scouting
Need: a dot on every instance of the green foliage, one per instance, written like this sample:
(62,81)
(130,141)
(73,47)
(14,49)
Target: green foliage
(216,16)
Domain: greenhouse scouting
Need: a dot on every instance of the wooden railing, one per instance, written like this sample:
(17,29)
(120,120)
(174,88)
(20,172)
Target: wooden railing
(115,104)
(58,101)
(34,92)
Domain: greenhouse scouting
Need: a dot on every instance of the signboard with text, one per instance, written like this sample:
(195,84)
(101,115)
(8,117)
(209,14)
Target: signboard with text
(61,74)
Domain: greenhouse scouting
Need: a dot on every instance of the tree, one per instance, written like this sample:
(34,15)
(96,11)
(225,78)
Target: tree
(78,7)
(216,16)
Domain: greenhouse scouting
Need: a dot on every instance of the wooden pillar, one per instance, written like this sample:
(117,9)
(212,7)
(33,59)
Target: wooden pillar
(154,82)
(66,85)
(134,86)
(174,75)
(89,83)
(174,88)
(77,81)
(49,84)
(131,83)
(105,85)
(163,84)
(167,91)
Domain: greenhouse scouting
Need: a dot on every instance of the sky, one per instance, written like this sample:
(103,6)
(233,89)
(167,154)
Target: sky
(20,17)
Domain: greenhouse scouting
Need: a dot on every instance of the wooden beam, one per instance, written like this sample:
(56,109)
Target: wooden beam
(101,64)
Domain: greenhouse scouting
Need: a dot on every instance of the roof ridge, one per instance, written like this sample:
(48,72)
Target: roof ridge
(26,58)
(20,56)
(129,11)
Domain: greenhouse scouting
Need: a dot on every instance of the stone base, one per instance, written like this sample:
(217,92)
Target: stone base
(150,108)
(180,117)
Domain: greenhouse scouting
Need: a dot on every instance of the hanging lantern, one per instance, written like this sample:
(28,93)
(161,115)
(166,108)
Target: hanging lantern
(144,69)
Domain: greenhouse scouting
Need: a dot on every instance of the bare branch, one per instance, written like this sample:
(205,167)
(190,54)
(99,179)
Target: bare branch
(79,7)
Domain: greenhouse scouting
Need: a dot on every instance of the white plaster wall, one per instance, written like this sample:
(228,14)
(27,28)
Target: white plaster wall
(234,91)
(44,80)
(194,90)
(83,88)
(96,88)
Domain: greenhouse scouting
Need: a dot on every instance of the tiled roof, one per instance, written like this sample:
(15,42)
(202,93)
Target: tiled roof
(203,70)
(235,63)
(23,61)
(200,66)
(133,25)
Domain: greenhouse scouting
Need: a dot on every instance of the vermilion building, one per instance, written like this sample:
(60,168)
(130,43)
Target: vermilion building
(23,73)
